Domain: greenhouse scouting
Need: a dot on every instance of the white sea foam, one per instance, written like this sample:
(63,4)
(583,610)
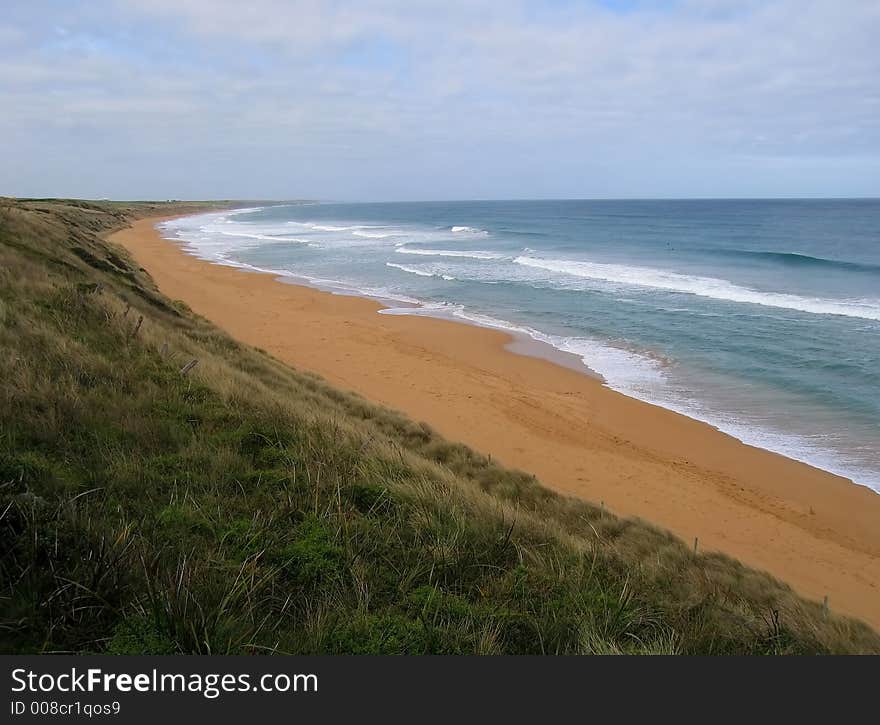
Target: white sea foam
(469,230)
(419,272)
(478,254)
(330,285)
(265,237)
(371,235)
(189,222)
(356,229)
(327,227)
(718,289)
(411,270)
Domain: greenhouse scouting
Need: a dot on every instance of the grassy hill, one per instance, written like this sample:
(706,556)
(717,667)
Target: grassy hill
(165,489)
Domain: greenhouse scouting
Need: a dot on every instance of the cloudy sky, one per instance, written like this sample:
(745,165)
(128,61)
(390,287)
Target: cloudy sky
(439,99)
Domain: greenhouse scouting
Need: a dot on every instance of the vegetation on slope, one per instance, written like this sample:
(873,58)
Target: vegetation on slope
(244,507)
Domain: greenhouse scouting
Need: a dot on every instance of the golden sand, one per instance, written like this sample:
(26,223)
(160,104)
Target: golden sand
(817,531)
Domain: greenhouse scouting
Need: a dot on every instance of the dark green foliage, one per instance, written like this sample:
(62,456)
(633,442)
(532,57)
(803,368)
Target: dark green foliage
(139,636)
(249,508)
(312,558)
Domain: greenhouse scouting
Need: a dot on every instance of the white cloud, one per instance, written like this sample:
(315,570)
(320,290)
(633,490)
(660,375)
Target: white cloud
(389,98)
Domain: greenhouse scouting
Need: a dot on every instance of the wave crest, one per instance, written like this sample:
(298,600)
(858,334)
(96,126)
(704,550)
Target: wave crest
(711,287)
(800,260)
(477,254)
(419,272)
(469,230)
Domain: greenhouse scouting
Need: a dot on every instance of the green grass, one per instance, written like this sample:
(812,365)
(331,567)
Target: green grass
(246,507)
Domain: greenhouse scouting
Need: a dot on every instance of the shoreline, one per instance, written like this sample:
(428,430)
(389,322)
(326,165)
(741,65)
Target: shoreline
(810,528)
(520,343)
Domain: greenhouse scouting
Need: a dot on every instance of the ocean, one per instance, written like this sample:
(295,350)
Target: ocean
(760,317)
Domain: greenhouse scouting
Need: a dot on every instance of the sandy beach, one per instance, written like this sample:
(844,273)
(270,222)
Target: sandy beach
(817,531)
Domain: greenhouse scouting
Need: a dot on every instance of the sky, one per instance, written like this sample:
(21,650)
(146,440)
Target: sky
(439,99)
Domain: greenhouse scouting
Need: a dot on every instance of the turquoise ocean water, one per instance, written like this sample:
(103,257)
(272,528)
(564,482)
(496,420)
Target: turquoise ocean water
(759,317)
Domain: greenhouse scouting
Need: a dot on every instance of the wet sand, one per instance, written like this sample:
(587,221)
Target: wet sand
(815,530)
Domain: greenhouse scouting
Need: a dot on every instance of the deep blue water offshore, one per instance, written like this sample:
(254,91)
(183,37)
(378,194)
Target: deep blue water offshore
(759,317)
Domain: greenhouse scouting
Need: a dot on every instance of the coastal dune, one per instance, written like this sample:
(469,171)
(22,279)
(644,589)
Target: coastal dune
(810,528)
